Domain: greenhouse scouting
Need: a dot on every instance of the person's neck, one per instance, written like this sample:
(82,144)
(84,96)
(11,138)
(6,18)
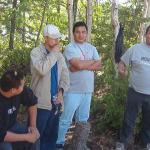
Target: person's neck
(5,94)
(79,42)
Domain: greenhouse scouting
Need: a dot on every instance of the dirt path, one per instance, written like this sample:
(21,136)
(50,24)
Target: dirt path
(100,142)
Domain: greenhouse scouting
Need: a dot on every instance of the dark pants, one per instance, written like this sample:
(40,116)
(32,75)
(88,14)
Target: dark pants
(20,129)
(47,124)
(135,102)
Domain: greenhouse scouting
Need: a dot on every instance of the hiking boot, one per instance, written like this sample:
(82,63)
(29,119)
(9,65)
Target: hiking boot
(80,137)
(119,146)
(148,146)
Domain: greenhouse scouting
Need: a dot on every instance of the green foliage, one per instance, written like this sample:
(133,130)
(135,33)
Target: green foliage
(114,103)
(110,104)
(16,57)
(110,92)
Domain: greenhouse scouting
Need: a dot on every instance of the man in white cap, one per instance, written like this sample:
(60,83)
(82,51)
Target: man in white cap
(50,78)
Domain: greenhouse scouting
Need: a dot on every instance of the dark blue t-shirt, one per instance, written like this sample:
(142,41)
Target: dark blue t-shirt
(9,108)
(54,81)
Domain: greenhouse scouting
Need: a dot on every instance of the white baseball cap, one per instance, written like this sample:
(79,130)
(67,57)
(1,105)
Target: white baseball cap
(52,31)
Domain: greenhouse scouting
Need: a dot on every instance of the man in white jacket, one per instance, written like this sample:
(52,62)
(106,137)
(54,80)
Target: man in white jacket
(50,78)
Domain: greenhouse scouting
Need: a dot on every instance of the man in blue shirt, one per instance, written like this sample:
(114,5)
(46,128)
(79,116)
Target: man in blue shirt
(82,59)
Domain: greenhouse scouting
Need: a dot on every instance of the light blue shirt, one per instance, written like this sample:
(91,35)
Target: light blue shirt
(81,81)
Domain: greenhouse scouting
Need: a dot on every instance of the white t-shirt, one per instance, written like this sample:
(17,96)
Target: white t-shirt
(138,57)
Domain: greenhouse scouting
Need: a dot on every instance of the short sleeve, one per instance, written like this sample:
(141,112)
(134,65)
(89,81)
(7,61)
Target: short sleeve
(71,52)
(96,56)
(127,56)
(28,98)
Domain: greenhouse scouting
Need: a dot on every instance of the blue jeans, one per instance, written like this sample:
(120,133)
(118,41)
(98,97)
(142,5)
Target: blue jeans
(20,129)
(47,124)
(73,102)
(135,102)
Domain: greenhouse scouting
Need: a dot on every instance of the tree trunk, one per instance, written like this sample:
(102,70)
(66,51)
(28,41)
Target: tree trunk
(13,25)
(70,19)
(75,6)
(115,23)
(43,16)
(89,18)
(24,29)
(146,14)
(58,6)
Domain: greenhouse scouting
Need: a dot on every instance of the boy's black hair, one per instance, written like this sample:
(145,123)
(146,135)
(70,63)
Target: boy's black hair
(11,79)
(147,29)
(79,24)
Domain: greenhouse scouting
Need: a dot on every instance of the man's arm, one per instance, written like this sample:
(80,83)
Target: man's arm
(43,65)
(78,64)
(32,111)
(13,137)
(122,69)
(95,66)
(31,136)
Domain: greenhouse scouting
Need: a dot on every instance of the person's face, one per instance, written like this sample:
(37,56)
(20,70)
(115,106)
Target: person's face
(51,42)
(148,37)
(80,34)
(17,91)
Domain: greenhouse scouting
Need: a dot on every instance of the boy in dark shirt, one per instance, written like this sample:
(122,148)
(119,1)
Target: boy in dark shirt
(12,94)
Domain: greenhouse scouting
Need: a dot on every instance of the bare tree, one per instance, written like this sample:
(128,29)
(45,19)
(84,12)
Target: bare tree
(23,29)
(89,18)
(42,21)
(146,14)
(58,6)
(70,18)
(13,25)
(115,23)
(75,5)
(114,17)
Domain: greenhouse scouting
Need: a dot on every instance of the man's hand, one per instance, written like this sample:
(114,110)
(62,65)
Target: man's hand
(122,69)
(73,69)
(95,66)
(31,137)
(56,48)
(59,97)
(32,129)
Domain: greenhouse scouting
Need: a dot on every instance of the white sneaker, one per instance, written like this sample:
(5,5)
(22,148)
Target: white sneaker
(119,146)
(148,146)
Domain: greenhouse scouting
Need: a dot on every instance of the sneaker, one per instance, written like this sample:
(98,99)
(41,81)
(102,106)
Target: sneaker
(119,146)
(59,146)
(148,146)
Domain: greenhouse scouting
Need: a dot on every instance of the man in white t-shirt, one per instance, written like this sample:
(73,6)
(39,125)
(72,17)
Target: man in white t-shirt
(138,59)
